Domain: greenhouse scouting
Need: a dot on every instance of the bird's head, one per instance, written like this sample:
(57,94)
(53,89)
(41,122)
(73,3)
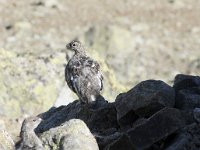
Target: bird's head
(31,122)
(29,125)
(76,46)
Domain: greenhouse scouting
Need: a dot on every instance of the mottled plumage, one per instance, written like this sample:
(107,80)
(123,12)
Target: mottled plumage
(29,139)
(82,74)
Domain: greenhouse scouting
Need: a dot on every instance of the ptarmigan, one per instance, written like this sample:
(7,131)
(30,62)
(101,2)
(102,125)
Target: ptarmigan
(29,139)
(82,74)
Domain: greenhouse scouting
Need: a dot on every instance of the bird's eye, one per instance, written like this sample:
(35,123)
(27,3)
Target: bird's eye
(74,44)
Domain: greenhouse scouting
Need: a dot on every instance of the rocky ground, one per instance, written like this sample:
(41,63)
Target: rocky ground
(132,40)
(150,116)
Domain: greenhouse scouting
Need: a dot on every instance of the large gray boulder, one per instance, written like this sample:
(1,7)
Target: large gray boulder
(73,135)
(143,100)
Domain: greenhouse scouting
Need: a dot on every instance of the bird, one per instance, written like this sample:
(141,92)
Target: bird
(29,139)
(82,74)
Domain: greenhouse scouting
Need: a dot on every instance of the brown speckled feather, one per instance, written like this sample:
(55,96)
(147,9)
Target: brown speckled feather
(83,75)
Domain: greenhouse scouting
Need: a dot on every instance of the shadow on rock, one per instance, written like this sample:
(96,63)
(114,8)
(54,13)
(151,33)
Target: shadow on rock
(99,116)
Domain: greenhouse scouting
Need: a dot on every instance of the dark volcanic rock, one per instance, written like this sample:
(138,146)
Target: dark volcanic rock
(188,99)
(188,139)
(103,119)
(98,118)
(122,143)
(144,99)
(160,125)
(182,81)
(179,142)
(197,114)
(104,140)
(139,121)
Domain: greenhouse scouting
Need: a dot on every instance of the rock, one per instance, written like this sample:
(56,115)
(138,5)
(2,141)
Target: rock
(188,139)
(160,125)
(193,132)
(73,135)
(2,123)
(6,142)
(142,118)
(38,77)
(103,119)
(98,117)
(182,81)
(188,99)
(144,99)
(107,40)
(197,114)
(104,140)
(64,97)
(139,121)
(179,143)
(188,116)
(122,143)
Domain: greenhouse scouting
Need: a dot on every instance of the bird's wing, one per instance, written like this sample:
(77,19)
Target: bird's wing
(70,76)
(93,71)
(83,74)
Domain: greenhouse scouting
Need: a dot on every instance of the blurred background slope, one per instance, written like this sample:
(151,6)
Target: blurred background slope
(133,40)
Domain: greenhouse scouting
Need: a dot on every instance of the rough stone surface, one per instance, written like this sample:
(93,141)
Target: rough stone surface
(149,120)
(157,127)
(197,114)
(105,139)
(144,99)
(182,81)
(101,118)
(73,135)
(37,78)
(179,142)
(188,99)
(122,143)
(188,139)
